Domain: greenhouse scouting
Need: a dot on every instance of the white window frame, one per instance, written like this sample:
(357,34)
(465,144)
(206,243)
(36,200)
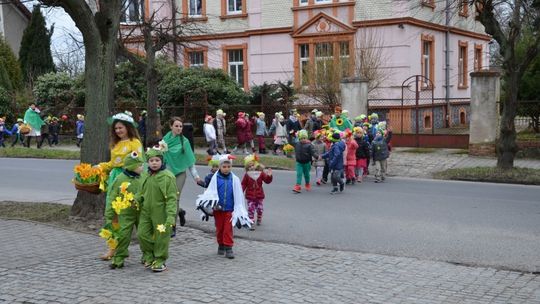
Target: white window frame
(190,5)
(238,8)
(461,66)
(326,58)
(126,11)
(304,61)
(303,2)
(236,64)
(199,55)
(426,59)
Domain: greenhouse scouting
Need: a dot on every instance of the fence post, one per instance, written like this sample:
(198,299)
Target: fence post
(484,119)
(354,96)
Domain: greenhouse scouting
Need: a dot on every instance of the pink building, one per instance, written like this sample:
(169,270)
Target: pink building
(269,40)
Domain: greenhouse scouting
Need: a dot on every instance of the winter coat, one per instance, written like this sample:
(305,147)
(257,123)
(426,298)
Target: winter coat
(242,130)
(320,148)
(79,127)
(293,124)
(335,156)
(308,126)
(363,148)
(304,151)
(209,132)
(379,149)
(54,128)
(261,128)
(254,188)
(352,146)
(221,126)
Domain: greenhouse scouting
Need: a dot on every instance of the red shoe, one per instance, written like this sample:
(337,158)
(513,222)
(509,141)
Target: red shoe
(318,182)
(297,188)
(308,187)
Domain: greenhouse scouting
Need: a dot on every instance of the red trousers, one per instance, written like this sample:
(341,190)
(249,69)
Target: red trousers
(224,228)
(260,140)
(350,174)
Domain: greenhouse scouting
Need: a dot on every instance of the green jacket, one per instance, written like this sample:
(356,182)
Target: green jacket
(159,194)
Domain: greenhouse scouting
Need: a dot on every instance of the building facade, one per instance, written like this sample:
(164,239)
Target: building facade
(259,41)
(14,18)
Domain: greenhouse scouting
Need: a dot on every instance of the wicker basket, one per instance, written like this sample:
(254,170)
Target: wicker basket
(25,129)
(91,188)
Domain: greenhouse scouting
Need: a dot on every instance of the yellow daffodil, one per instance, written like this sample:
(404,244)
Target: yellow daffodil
(112,243)
(124,186)
(129,196)
(105,233)
(161,228)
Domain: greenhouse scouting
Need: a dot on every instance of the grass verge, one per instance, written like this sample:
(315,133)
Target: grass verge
(39,212)
(21,152)
(516,175)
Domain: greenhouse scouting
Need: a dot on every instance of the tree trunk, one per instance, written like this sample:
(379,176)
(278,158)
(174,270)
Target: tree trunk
(506,146)
(153,124)
(99,78)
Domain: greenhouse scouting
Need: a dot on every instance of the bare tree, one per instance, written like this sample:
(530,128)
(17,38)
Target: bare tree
(370,58)
(156,34)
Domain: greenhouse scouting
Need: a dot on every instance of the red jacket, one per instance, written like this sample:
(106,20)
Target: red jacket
(351,152)
(254,188)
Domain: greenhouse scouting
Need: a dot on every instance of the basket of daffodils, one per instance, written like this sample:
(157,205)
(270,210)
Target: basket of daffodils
(87,178)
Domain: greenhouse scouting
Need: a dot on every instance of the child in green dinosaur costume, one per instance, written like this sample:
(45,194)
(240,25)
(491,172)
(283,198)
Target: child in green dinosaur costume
(158,196)
(123,212)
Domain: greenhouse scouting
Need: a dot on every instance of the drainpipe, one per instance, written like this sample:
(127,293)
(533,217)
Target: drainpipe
(447,64)
(175,47)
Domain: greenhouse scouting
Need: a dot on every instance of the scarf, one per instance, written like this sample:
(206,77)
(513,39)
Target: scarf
(179,157)
(210,198)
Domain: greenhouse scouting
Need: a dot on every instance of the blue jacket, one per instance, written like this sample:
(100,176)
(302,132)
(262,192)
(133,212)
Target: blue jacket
(80,127)
(225,191)
(261,128)
(335,156)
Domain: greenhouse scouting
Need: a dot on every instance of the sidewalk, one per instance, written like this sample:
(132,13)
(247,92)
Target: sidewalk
(44,264)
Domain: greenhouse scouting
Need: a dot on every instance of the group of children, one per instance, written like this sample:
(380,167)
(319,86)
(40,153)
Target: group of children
(344,155)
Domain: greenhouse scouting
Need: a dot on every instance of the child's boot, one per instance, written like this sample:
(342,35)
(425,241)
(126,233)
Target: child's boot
(173,232)
(334,191)
(229,253)
(297,188)
(182,216)
(259,221)
(221,250)
(308,187)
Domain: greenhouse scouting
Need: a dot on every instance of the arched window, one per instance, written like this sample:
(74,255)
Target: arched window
(462,117)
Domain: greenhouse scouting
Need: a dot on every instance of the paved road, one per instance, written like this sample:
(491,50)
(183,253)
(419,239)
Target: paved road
(44,264)
(470,223)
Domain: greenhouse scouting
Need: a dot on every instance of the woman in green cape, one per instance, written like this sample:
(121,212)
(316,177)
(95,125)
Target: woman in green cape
(178,159)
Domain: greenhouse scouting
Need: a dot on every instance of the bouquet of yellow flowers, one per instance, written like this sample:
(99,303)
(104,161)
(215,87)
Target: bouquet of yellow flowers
(288,149)
(87,178)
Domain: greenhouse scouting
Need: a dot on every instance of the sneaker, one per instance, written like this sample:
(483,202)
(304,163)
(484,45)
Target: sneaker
(182,215)
(324,181)
(334,191)
(377,181)
(116,266)
(229,253)
(297,189)
(341,187)
(221,250)
(252,228)
(259,221)
(318,182)
(159,268)
(308,187)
